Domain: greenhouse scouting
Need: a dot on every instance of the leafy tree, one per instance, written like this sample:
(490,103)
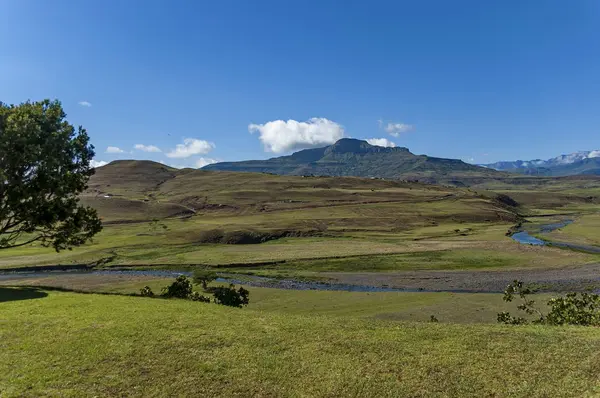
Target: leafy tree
(44,166)
(204,277)
(181,288)
(231,297)
(572,309)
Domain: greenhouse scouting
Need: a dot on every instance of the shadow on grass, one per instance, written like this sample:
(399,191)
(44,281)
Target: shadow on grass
(20,293)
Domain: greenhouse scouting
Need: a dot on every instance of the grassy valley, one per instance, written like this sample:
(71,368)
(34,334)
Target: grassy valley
(349,230)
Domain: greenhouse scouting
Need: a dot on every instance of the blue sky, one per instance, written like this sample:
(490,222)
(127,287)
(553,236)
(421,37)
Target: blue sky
(476,80)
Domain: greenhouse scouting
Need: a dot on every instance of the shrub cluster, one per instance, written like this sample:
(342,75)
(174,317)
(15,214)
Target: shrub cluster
(182,288)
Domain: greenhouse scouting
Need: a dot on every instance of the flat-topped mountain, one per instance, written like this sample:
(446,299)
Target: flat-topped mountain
(351,157)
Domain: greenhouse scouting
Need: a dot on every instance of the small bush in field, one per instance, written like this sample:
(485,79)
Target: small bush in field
(146,291)
(195,296)
(231,297)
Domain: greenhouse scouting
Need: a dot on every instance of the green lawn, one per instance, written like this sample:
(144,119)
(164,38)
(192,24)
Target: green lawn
(67,344)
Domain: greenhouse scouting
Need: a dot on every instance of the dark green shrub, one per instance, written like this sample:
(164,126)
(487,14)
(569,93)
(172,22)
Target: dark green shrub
(572,309)
(231,297)
(195,296)
(204,277)
(146,291)
(181,288)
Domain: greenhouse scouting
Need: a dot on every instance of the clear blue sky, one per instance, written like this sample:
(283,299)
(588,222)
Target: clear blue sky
(480,80)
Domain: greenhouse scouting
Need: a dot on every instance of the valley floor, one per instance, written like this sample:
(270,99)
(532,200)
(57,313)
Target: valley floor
(82,334)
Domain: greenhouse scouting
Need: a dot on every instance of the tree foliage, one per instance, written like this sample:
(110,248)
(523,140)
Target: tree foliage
(231,297)
(204,277)
(181,288)
(571,309)
(44,166)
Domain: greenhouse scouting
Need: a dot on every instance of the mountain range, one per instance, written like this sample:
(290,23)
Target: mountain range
(352,157)
(577,163)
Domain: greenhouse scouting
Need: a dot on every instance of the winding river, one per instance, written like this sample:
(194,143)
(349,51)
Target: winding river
(457,286)
(525,238)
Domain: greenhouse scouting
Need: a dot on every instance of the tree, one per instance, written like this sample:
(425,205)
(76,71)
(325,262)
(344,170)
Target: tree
(44,166)
(231,297)
(204,277)
(572,309)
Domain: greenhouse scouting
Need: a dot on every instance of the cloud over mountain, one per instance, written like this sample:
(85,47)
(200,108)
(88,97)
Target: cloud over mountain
(283,136)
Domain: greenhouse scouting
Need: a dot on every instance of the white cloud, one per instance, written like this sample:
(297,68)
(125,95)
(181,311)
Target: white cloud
(114,149)
(594,154)
(200,163)
(395,129)
(98,163)
(191,146)
(281,136)
(381,142)
(147,148)
(85,103)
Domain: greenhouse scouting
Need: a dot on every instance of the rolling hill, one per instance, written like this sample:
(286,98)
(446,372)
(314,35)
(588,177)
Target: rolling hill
(351,157)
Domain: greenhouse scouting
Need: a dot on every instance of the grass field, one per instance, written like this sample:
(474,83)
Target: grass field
(585,230)
(72,345)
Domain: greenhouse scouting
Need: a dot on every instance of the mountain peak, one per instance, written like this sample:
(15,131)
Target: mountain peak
(349,145)
(583,162)
(352,145)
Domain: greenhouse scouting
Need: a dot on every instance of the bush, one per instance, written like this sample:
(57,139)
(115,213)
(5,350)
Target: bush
(572,309)
(231,297)
(204,277)
(195,296)
(146,291)
(181,288)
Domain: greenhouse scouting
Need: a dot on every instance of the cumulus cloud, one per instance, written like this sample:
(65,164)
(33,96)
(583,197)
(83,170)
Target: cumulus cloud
(114,149)
(190,147)
(280,136)
(85,103)
(98,163)
(381,142)
(147,148)
(200,163)
(594,154)
(394,128)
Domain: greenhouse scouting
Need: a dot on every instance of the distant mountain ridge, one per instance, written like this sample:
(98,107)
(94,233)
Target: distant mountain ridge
(577,163)
(358,158)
